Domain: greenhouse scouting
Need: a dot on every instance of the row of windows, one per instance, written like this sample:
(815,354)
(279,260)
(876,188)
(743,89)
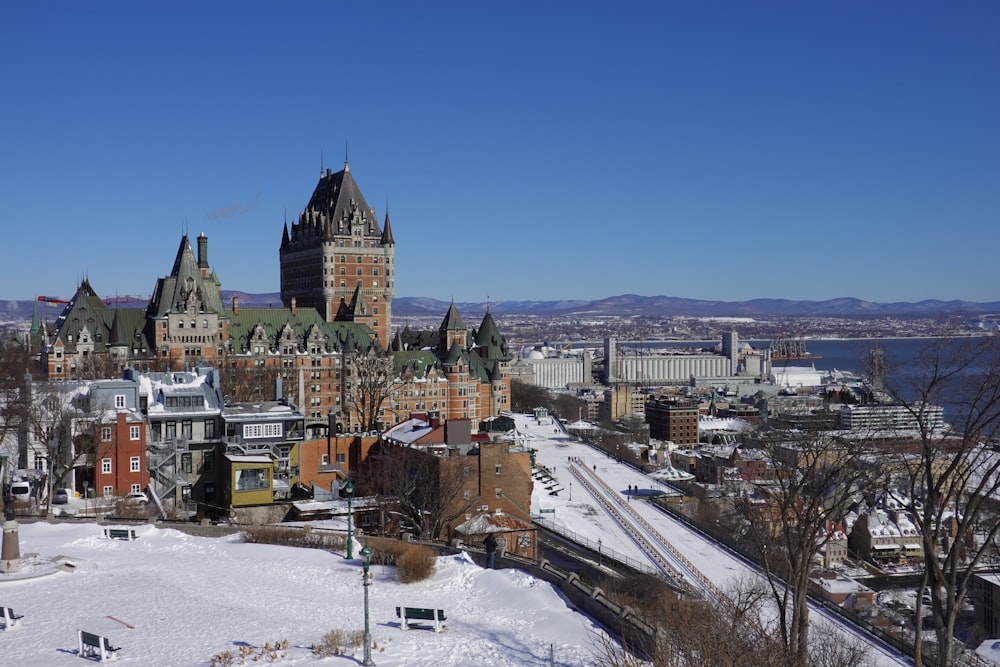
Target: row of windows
(343,271)
(343,259)
(133,433)
(272,430)
(109,491)
(134,465)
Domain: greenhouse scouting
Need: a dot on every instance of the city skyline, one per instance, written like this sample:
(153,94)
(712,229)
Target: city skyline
(716,151)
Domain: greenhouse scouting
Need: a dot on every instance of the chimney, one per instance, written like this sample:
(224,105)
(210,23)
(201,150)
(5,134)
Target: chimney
(203,254)
(277,388)
(293,305)
(236,305)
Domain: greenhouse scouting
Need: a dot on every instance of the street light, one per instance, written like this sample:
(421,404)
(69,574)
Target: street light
(349,490)
(366,561)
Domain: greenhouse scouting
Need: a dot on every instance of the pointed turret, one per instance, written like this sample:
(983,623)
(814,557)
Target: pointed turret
(34,319)
(387,230)
(452,320)
(490,343)
(452,331)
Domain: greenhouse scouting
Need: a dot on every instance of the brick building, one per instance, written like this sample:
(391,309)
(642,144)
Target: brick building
(120,455)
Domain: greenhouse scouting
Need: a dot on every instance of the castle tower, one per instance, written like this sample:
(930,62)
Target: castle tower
(337,253)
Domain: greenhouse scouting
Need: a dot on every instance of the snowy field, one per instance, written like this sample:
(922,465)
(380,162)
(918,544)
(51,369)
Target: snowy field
(190,598)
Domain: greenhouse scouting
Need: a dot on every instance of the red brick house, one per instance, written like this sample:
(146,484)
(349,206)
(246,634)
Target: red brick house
(120,455)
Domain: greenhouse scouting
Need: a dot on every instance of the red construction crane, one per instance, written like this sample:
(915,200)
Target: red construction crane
(52,300)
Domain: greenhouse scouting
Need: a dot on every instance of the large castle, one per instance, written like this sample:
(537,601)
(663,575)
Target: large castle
(337,285)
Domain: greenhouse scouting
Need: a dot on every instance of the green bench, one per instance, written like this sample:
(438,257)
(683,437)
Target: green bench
(120,533)
(435,616)
(96,646)
(9,617)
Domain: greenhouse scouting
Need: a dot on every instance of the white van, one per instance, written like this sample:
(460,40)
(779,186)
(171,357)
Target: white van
(20,491)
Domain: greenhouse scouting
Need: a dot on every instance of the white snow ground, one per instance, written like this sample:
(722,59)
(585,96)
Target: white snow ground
(190,598)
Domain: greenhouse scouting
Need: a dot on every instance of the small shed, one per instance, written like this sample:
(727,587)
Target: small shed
(514,536)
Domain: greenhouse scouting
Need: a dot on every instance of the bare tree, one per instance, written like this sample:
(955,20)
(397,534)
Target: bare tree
(953,476)
(525,397)
(724,633)
(99,366)
(369,381)
(242,382)
(428,489)
(812,479)
(13,362)
(58,427)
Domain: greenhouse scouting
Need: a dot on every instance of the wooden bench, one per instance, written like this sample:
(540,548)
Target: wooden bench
(9,617)
(435,616)
(96,646)
(120,533)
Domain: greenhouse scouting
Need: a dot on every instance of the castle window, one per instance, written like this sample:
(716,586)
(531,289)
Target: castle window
(375,271)
(343,271)
(359,270)
(180,324)
(343,283)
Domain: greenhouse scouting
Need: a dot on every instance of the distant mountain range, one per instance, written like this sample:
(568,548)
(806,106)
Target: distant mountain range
(661,306)
(624,305)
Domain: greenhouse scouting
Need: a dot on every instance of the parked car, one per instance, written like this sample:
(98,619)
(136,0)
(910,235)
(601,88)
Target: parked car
(20,491)
(136,498)
(60,497)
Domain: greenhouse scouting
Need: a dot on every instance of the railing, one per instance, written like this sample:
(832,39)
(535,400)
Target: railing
(602,551)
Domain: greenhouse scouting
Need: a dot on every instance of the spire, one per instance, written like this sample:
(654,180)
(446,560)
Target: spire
(284,237)
(347,165)
(34,319)
(387,229)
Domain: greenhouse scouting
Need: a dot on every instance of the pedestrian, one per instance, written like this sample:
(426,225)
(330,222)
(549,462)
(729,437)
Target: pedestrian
(490,544)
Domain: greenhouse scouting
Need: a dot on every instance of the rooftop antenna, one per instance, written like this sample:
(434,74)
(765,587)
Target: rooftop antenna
(321,162)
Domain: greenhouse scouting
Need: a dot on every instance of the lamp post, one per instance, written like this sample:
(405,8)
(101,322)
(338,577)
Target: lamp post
(366,561)
(349,490)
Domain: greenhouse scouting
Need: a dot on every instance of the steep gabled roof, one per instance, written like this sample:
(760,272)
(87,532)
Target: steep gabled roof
(184,283)
(117,336)
(87,311)
(335,198)
(418,361)
(337,336)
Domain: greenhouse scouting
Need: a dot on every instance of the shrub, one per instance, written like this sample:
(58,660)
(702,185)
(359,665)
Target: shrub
(332,644)
(294,537)
(416,563)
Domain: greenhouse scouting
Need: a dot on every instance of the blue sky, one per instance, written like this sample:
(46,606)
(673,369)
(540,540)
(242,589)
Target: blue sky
(551,150)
